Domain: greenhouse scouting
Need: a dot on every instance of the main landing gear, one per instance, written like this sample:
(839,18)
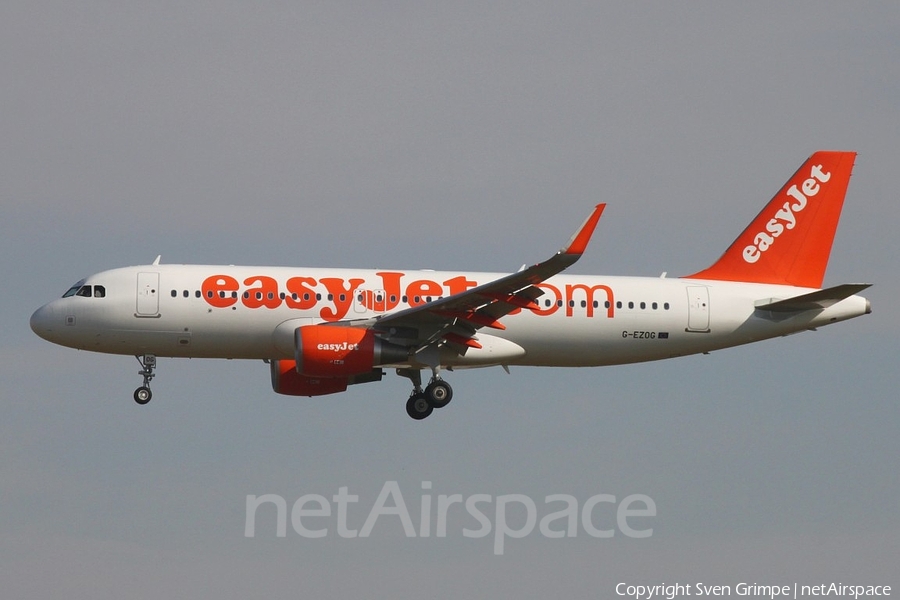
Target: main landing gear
(421,403)
(143,394)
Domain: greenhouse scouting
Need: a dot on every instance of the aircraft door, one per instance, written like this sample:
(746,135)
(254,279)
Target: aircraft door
(698,309)
(147,295)
(376,299)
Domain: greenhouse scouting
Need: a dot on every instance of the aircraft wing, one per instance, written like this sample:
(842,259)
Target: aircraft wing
(455,319)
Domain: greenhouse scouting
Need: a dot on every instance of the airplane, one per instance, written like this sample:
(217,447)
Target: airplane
(322,330)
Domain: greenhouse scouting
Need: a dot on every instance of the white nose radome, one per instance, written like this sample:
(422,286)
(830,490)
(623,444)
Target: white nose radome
(43,322)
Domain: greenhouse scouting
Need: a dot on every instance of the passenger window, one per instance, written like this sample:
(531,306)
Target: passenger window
(174,293)
(186,293)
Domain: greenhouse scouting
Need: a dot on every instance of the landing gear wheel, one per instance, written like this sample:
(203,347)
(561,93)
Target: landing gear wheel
(418,407)
(439,393)
(142,395)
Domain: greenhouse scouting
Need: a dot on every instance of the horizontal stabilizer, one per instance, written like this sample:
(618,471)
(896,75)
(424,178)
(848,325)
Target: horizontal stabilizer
(814,300)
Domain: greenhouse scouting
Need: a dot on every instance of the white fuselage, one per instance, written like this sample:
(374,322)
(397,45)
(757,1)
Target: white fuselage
(252,312)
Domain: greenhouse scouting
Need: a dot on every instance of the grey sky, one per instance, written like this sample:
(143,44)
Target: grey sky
(441,136)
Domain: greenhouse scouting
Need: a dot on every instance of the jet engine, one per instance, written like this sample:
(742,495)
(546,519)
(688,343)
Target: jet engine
(336,351)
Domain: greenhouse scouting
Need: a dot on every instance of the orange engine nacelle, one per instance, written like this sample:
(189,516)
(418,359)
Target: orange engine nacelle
(334,351)
(286,380)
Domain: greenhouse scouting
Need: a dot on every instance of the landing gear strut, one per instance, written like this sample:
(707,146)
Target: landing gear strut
(421,403)
(143,394)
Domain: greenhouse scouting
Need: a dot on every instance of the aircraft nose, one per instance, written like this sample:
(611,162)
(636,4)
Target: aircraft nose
(42,321)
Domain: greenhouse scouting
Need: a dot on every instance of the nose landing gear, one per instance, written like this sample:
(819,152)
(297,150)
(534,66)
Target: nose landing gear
(142,395)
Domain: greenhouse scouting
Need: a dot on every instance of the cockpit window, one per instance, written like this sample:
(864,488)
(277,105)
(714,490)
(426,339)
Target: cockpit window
(86,291)
(74,289)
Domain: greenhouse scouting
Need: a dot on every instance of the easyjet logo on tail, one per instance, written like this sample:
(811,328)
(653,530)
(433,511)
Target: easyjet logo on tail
(785,218)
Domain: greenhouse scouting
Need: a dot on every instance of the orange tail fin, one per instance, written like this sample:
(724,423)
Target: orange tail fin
(789,242)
